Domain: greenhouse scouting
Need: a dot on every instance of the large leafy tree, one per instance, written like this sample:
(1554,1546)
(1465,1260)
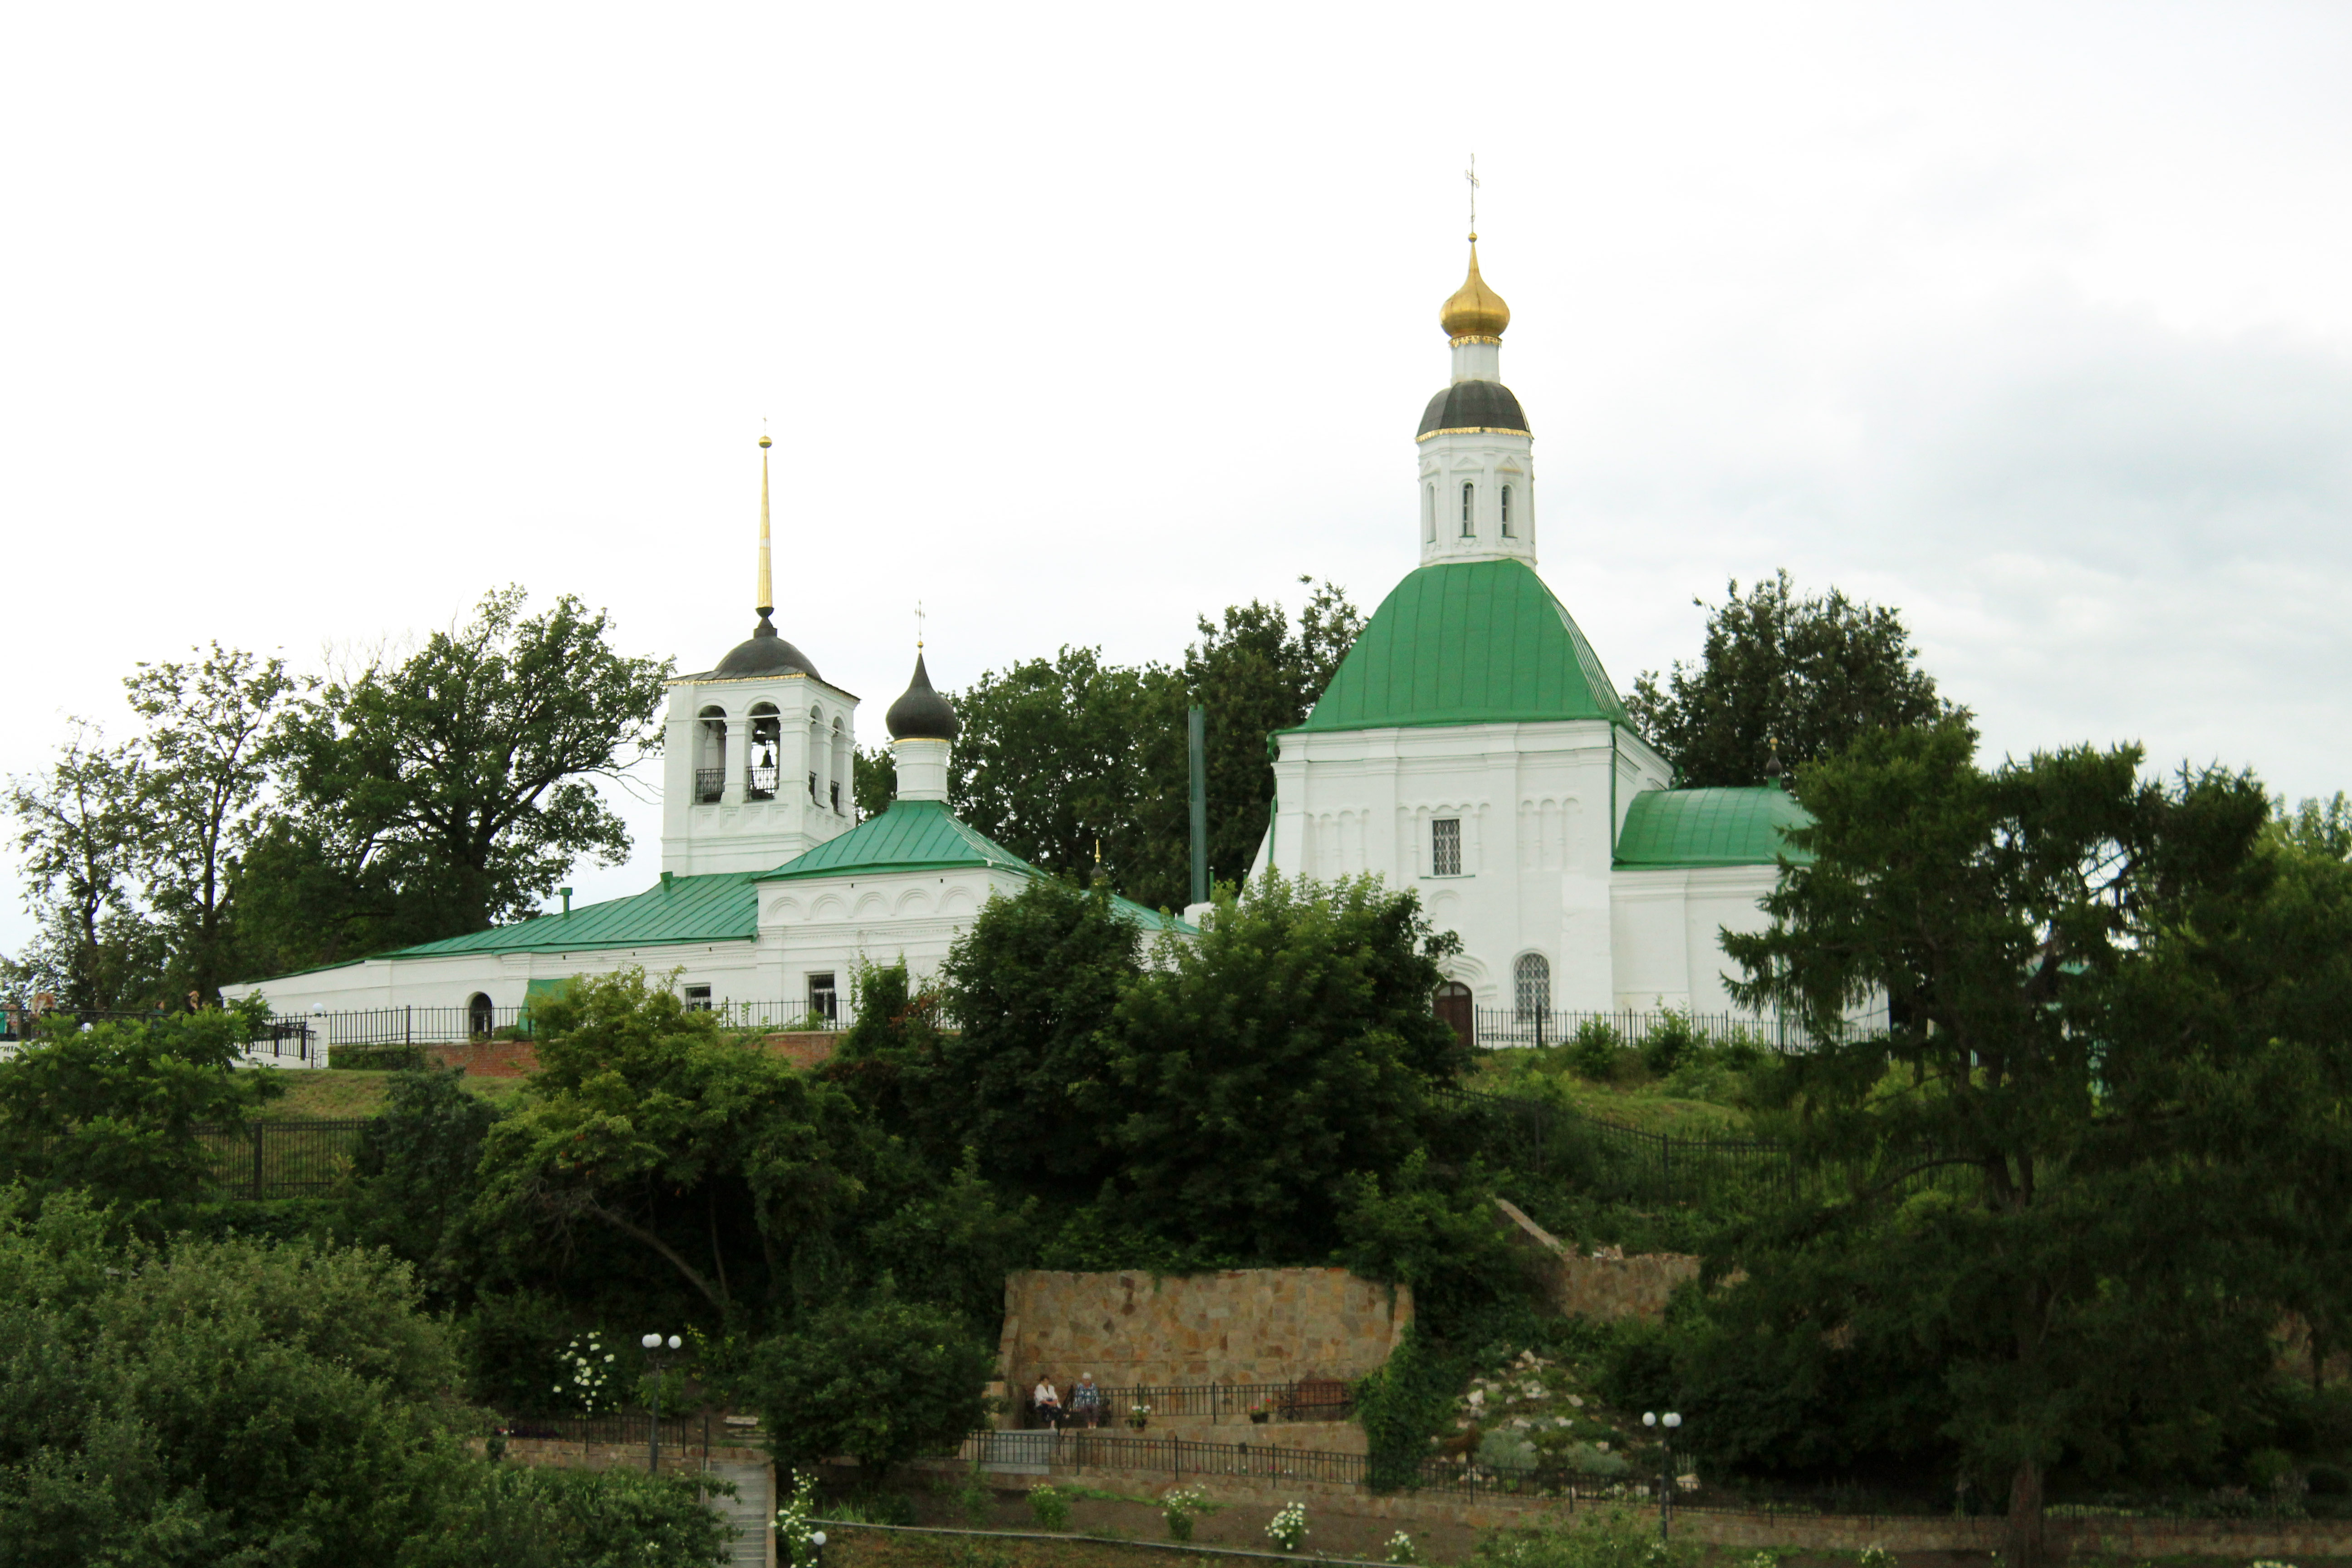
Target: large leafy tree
(2068,1268)
(81,834)
(201,795)
(718,1165)
(1253,1070)
(455,788)
(1802,674)
(243,1401)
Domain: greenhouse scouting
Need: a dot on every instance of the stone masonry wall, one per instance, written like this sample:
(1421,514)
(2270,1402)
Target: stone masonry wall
(1239,1325)
(1579,1287)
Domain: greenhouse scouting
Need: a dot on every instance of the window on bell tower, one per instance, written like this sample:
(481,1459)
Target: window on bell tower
(1507,511)
(1469,498)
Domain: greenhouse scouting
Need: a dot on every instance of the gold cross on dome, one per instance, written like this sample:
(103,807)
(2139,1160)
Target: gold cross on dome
(1470,174)
(918,624)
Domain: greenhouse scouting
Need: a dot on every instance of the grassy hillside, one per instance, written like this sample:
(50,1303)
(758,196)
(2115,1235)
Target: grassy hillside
(336,1094)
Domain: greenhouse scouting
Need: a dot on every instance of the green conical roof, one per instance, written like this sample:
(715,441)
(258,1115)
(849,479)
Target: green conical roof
(1467,642)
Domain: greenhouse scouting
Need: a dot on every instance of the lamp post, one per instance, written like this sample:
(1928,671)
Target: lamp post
(659,1354)
(1669,1420)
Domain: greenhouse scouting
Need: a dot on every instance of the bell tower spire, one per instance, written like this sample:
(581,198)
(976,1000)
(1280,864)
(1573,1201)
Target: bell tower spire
(766,599)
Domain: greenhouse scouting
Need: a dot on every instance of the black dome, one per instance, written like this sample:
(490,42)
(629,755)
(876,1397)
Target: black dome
(920,713)
(1472,405)
(765,654)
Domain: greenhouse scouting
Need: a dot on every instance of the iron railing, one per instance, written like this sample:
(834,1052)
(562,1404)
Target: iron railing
(1510,1028)
(405,1026)
(678,1432)
(279,1158)
(760,784)
(709,784)
(1543,1139)
(1303,1399)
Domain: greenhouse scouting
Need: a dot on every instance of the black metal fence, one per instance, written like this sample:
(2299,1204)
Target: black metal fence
(1545,1140)
(1303,1399)
(279,1158)
(678,1432)
(405,1026)
(1511,1027)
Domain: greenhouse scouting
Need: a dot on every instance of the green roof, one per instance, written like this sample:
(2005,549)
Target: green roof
(912,836)
(1666,828)
(1467,642)
(719,906)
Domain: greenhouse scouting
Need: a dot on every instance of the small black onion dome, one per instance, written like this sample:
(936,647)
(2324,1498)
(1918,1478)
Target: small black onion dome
(765,654)
(1473,405)
(920,713)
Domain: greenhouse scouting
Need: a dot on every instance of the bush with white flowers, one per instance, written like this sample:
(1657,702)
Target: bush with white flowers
(1400,1549)
(589,1368)
(1287,1530)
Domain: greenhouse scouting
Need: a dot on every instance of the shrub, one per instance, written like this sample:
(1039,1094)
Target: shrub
(514,1345)
(1667,1045)
(883,1382)
(1614,1540)
(1400,1549)
(1051,1505)
(1594,1048)
(375,1058)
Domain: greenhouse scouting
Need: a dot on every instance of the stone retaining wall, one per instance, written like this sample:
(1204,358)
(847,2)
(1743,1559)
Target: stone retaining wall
(487,1059)
(1238,1325)
(1612,1286)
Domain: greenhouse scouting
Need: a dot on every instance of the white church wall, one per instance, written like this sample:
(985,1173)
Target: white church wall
(830,926)
(1667,931)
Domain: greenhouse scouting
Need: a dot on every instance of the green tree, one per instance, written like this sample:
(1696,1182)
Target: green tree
(1809,674)
(1055,763)
(113,1110)
(699,1148)
(418,1170)
(1035,984)
(2068,1268)
(1255,675)
(241,1401)
(81,834)
(455,788)
(1292,1044)
(882,1383)
(201,795)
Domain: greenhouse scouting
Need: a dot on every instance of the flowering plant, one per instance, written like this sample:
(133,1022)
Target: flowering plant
(591,1368)
(795,1536)
(1178,1504)
(1400,1549)
(1287,1530)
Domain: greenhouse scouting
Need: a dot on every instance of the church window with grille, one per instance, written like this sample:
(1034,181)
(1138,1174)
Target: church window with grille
(1531,988)
(1507,511)
(1445,846)
(1469,498)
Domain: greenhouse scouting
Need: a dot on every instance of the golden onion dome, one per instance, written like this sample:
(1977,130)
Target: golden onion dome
(1475,311)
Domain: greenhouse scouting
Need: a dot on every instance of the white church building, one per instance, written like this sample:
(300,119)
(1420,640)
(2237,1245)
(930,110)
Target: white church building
(1470,746)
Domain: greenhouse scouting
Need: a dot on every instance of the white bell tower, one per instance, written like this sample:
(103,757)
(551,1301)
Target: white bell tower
(1477,464)
(759,750)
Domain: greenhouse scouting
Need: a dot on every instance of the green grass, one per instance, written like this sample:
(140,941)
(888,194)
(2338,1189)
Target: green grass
(1645,1106)
(334,1095)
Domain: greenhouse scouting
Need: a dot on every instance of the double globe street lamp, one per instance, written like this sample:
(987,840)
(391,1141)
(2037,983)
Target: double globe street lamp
(658,1354)
(1669,1420)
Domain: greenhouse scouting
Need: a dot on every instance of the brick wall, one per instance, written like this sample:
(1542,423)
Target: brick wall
(1239,1325)
(1575,1285)
(487,1059)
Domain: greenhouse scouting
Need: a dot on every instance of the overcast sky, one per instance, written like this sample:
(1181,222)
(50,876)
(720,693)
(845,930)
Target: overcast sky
(318,321)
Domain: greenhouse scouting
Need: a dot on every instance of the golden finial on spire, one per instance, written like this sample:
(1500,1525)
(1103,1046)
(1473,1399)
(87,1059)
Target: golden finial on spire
(1475,313)
(918,625)
(767,603)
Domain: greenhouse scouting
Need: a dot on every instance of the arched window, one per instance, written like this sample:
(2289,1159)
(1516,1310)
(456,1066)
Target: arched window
(842,792)
(1531,992)
(1507,511)
(481,1017)
(766,752)
(1429,513)
(1469,498)
(710,756)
